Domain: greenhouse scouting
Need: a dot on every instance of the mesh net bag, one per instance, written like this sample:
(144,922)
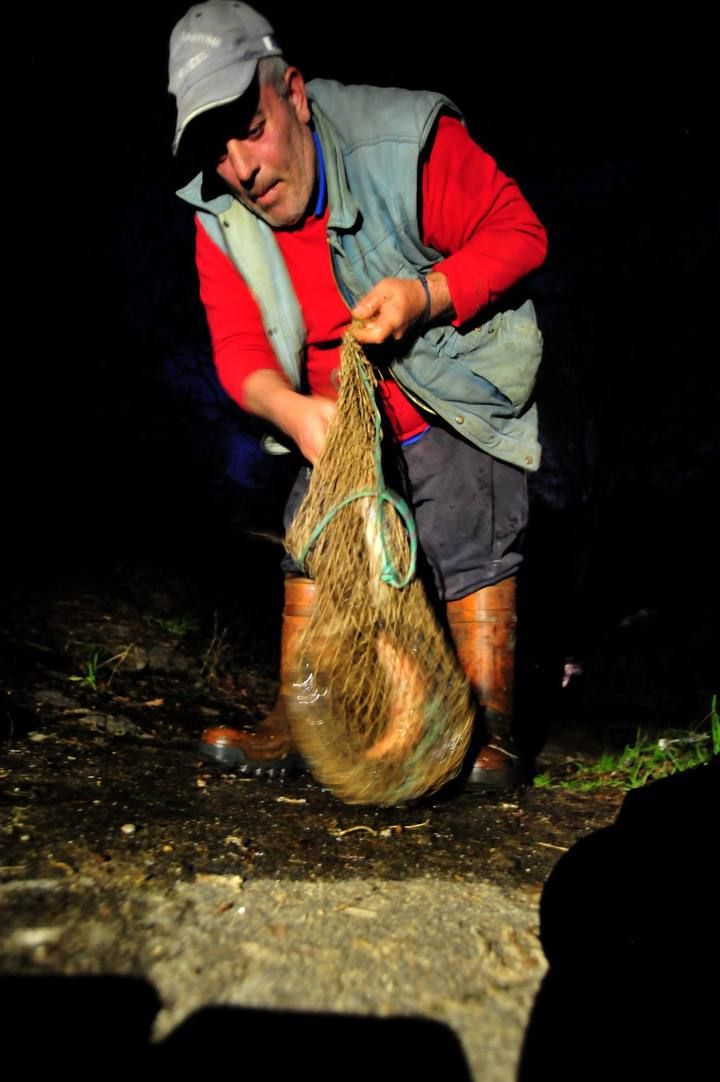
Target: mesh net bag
(378,704)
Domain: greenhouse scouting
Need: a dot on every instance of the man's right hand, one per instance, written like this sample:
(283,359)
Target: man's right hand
(308,425)
(304,418)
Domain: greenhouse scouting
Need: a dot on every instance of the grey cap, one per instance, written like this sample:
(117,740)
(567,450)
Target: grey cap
(214,50)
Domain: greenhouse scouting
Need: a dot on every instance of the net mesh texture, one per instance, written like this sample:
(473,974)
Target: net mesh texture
(378,704)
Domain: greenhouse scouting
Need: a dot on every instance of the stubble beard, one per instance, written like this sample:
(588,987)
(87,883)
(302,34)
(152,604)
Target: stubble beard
(287,221)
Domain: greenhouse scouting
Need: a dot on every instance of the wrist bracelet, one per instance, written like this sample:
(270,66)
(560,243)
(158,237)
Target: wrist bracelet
(428,302)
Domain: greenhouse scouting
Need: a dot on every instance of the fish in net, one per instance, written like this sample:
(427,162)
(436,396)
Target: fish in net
(378,704)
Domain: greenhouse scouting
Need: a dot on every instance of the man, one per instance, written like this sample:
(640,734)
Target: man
(321,203)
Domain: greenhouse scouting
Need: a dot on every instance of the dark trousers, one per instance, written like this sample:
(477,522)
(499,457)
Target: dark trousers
(470,510)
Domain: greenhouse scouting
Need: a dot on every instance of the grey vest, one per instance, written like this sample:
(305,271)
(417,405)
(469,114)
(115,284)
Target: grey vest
(481,381)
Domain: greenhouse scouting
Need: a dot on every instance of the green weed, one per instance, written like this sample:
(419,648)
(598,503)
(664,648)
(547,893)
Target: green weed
(648,759)
(91,676)
(178,625)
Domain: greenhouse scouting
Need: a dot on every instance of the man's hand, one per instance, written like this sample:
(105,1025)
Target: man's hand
(395,305)
(308,423)
(304,418)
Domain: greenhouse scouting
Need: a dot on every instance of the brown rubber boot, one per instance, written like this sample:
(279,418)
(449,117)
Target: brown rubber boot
(483,630)
(269,748)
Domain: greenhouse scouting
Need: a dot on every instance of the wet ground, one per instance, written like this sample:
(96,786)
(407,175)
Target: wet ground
(125,857)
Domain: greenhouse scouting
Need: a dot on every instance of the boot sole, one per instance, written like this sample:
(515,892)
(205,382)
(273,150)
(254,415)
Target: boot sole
(494,780)
(233,759)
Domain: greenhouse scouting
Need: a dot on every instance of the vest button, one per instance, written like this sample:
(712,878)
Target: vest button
(529,459)
(225,222)
(459,419)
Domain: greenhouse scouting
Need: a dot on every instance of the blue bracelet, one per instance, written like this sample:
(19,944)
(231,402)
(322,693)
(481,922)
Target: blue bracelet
(428,303)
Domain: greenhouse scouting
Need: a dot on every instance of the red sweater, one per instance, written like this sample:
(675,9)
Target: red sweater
(472,214)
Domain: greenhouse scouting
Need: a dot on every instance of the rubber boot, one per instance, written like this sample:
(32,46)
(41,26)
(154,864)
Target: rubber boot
(269,748)
(483,626)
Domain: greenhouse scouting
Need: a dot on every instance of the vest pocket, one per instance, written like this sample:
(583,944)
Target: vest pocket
(506,351)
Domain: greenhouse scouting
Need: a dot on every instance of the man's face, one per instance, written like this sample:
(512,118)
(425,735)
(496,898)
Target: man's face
(269,162)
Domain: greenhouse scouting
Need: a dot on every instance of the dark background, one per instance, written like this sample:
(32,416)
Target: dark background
(121,449)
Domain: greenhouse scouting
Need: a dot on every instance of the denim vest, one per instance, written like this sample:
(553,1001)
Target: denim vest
(479,381)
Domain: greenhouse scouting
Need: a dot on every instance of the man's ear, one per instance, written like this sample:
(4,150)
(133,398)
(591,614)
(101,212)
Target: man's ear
(297,95)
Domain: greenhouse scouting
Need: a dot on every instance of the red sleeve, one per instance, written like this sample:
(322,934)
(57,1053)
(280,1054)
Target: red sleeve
(478,218)
(240,345)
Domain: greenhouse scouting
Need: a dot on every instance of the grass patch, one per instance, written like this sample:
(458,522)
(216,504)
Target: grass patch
(648,759)
(90,677)
(180,626)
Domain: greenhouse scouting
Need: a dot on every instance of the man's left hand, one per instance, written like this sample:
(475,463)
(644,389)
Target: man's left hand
(395,305)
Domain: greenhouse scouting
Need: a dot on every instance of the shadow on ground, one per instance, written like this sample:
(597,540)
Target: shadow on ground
(628,924)
(87,1023)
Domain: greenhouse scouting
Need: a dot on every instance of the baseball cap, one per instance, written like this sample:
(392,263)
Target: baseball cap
(214,50)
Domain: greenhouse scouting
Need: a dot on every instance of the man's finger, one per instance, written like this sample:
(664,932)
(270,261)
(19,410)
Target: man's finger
(367,307)
(373,333)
